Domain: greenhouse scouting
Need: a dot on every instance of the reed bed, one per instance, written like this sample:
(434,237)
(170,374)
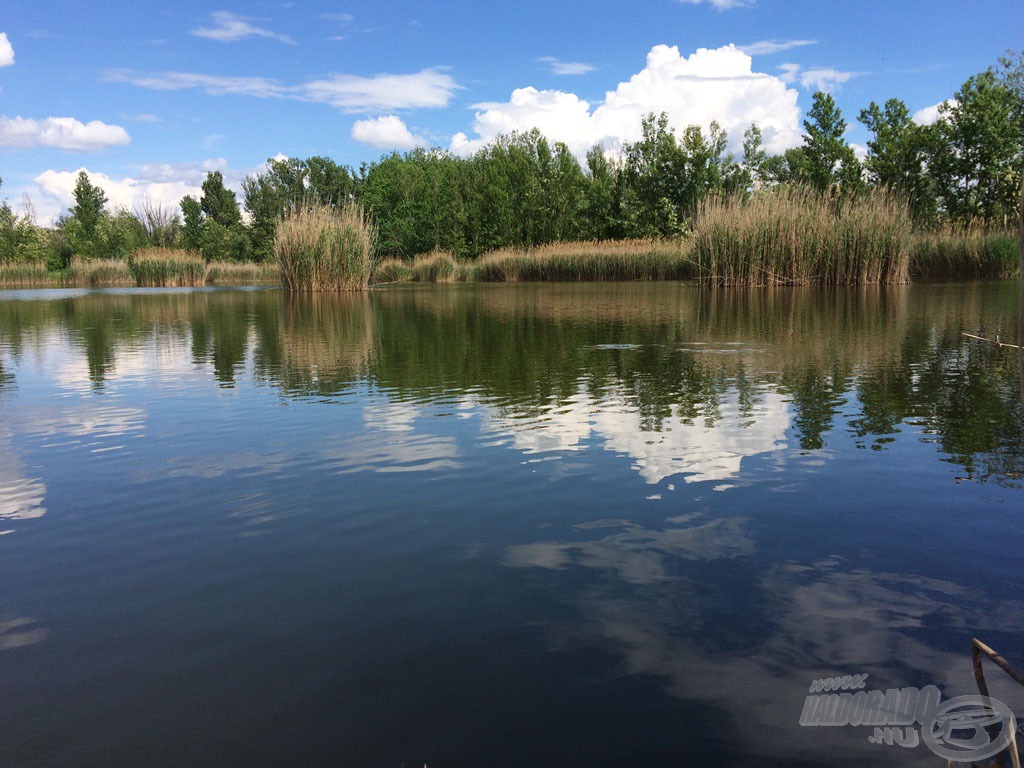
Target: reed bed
(99,273)
(27,274)
(320,248)
(963,254)
(160,267)
(436,267)
(589,262)
(796,236)
(243,273)
(391,270)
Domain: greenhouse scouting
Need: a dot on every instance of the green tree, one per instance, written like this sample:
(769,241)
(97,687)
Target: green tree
(897,154)
(82,225)
(89,202)
(754,168)
(213,224)
(977,153)
(20,238)
(602,213)
(218,203)
(829,160)
(653,180)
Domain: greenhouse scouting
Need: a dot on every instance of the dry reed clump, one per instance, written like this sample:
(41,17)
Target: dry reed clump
(320,248)
(796,236)
(436,267)
(25,274)
(98,273)
(968,253)
(391,270)
(160,267)
(588,261)
(243,273)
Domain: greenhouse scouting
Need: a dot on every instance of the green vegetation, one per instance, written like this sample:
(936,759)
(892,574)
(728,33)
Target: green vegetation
(520,207)
(158,267)
(590,262)
(321,248)
(795,235)
(99,273)
(436,267)
(960,254)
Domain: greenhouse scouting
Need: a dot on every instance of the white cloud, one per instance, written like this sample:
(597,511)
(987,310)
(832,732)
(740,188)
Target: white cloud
(230,27)
(162,184)
(6,51)
(707,85)
(60,133)
(189,173)
(559,67)
(145,117)
(694,451)
(764,47)
(817,78)
(722,5)
(386,132)
(338,18)
(54,191)
(351,93)
(215,85)
(930,115)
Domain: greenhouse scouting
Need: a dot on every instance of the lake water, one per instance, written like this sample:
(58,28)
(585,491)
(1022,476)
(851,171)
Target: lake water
(498,525)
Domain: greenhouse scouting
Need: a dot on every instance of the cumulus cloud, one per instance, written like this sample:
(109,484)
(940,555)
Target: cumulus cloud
(559,67)
(816,78)
(386,132)
(161,184)
(351,93)
(722,5)
(6,51)
(229,27)
(191,174)
(764,47)
(54,191)
(696,89)
(60,133)
(930,115)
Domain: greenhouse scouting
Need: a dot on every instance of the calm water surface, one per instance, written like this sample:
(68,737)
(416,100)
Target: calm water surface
(533,525)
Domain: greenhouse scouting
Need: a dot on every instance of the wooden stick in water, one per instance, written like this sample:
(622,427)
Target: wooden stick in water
(990,341)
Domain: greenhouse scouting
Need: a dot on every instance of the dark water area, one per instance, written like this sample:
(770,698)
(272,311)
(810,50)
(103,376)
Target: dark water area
(498,525)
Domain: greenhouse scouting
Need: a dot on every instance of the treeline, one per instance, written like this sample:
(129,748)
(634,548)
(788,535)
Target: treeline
(963,170)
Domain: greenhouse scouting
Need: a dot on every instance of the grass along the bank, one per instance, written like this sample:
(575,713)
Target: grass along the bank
(795,236)
(793,243)
(963,254)
(158,267)
(27,274)
(98,273)
(319,248)
(152,268)
(243,273)
(590,262)
(565,261)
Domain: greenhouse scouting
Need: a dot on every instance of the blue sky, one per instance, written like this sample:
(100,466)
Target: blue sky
(149,96)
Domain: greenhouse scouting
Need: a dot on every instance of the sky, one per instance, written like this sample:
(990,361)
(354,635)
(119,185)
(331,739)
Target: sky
(148,97)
